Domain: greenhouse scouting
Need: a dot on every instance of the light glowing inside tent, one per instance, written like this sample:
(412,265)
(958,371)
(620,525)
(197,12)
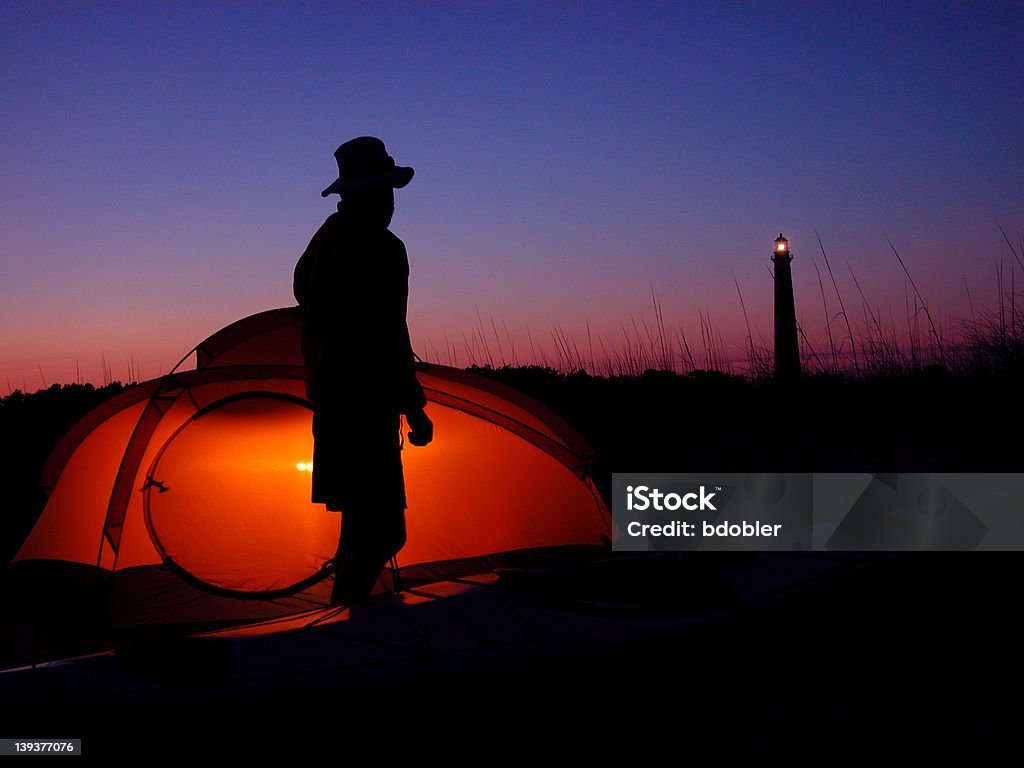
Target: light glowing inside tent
(237,515)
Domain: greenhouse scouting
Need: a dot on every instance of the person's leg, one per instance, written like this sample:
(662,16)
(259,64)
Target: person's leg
(391,531)
(353,579)
(373,520)
(369,539)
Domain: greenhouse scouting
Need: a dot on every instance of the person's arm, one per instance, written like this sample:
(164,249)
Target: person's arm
(300,278)
(412,399)
(304,290)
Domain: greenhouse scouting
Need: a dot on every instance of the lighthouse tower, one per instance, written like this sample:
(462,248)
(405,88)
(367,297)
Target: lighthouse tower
(787,354)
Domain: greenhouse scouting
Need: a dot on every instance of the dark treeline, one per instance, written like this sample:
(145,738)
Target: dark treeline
(926,421)
(30,426)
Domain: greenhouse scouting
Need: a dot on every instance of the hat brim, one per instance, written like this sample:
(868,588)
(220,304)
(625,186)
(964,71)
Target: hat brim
(396,178)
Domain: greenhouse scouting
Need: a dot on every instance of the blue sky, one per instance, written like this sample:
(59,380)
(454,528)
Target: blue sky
(163,161)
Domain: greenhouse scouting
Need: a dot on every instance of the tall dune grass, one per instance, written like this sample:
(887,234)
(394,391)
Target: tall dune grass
(845,336)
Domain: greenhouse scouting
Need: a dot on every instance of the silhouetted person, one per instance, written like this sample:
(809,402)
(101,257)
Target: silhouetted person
(352,285)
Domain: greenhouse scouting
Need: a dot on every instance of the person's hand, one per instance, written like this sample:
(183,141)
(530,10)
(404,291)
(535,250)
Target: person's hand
(422,428)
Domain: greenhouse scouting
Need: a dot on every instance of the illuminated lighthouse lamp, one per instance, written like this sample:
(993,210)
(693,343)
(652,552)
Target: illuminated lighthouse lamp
(781,248)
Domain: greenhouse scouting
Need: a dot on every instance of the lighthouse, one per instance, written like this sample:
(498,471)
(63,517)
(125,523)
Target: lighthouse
(787,353)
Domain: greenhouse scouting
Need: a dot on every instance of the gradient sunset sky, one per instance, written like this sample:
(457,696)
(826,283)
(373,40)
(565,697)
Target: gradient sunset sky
(162,163)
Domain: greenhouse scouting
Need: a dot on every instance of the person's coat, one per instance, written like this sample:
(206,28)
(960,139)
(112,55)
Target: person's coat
(352,285)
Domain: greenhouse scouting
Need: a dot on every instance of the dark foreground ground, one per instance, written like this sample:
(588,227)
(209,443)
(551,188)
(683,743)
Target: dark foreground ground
(919,657)
(915,659)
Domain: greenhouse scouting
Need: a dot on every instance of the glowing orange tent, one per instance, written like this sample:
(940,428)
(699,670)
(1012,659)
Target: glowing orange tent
(188,495)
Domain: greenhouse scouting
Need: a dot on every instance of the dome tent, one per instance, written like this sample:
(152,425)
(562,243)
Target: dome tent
(188,495)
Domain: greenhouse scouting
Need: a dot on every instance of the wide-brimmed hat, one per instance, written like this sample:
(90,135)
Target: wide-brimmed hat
(365,162)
